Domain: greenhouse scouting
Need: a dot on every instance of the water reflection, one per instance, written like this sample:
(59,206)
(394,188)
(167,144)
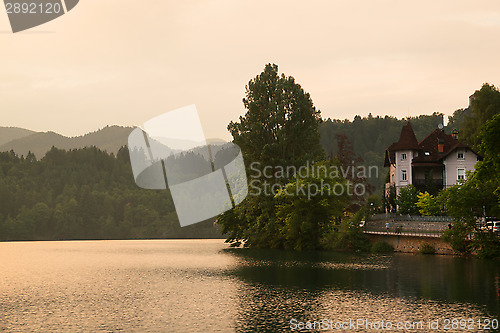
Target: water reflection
(198,286)
(280,285)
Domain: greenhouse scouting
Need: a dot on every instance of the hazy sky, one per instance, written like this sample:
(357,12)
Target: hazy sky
(124,62)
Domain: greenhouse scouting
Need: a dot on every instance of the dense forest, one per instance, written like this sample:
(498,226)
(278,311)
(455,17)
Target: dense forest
(84,194)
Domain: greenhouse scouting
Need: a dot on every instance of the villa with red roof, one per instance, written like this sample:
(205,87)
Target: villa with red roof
(435,163)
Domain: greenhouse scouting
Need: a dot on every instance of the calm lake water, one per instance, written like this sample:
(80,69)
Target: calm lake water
(201,286)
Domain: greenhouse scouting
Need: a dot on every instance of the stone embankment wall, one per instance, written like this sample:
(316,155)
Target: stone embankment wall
(419,230)
(411,244)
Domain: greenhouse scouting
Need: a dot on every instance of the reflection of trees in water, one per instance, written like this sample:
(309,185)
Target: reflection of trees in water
(281,285)
(269,309)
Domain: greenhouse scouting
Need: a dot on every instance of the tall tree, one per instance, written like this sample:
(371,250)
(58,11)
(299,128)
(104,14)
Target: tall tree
(350,162)
(485,104)
(279,128)
(488,170)
(476,197)
(280,125)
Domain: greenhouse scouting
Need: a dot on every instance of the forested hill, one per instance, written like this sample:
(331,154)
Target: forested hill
(109,139)
(84,194)
(8,134)
(370,136)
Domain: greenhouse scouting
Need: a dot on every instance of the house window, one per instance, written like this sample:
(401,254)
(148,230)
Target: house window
(403,175)
(460,174)
(403,156)
(460,156)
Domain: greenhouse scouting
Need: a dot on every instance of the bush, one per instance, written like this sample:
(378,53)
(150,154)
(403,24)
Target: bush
(457,238)
(425,248)
(428,204)
(407,199)
(382,247)
(465,240)
(487,245)
(349,236)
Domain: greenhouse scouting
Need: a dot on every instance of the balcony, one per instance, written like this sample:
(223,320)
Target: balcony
(429,185)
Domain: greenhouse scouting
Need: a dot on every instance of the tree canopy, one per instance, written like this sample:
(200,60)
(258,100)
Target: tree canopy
(485,104)
(84,194)
(407,200)
(280,128)
(280,125)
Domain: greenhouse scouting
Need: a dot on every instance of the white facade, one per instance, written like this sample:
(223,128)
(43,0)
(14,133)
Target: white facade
(401,173)
(456,164)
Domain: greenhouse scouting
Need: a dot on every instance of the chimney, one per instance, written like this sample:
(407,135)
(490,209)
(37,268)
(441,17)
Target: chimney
(454,134)
(440,145)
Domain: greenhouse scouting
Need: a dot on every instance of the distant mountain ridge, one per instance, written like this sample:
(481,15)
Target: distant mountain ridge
(22,141)
(12,133)
(109,139)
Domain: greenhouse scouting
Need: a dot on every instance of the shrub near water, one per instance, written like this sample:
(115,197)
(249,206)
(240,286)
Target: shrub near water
(348,236)
(382,247)
(425,248)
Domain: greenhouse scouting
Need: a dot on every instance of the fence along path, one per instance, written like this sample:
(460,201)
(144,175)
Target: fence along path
(406,225)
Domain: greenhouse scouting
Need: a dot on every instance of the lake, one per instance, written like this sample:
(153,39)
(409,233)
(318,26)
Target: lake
(202,286)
